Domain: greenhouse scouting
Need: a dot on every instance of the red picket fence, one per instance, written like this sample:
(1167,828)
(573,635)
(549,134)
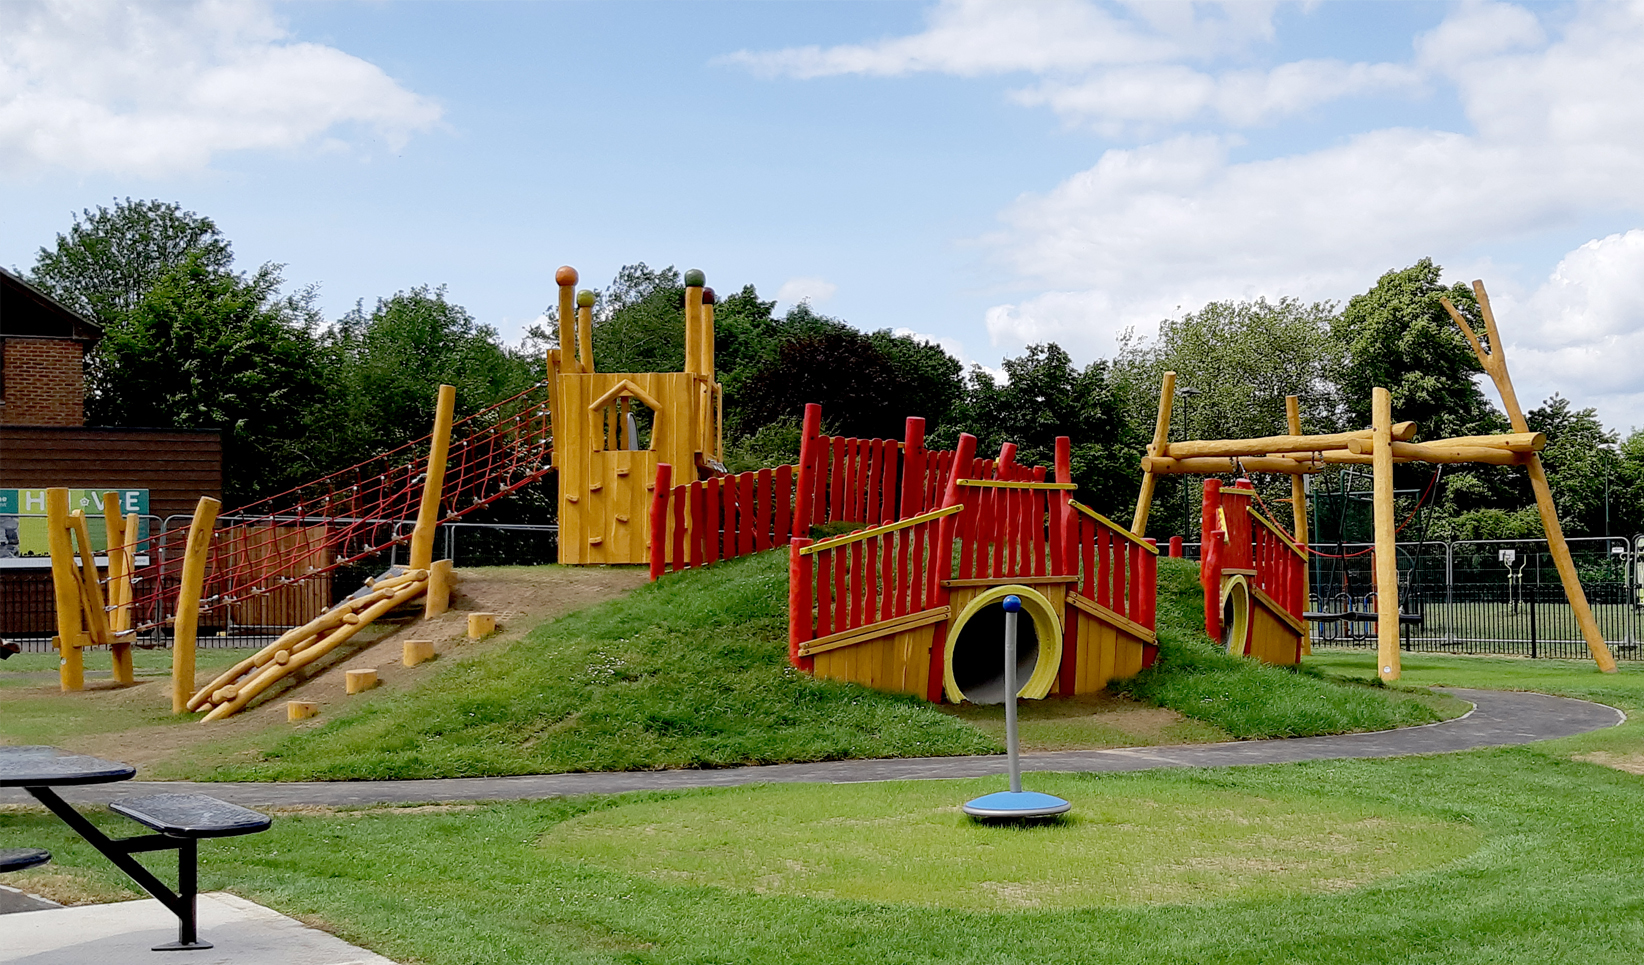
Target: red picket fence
(1003,531)
(864,578)
(1116,570)
(718,519)
(1280,564)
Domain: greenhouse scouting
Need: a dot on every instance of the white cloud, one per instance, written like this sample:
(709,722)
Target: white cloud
(975,37)
(158,89)
(813,290)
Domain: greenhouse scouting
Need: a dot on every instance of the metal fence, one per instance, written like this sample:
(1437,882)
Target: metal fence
(1484,596)
(28,612)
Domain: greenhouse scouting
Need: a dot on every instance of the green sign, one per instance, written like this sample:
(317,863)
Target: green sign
(23,518)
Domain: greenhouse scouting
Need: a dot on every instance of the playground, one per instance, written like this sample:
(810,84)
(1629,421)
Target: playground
(759,699)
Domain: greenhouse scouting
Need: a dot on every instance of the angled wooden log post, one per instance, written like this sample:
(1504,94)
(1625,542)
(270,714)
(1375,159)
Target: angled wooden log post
(1387,561)
(122,549)
(195,554)
(1298,513)
(1494,362)
(1159,448)
(65,582)
(428,514)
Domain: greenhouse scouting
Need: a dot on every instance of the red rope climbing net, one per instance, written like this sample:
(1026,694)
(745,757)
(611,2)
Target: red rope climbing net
(274,557)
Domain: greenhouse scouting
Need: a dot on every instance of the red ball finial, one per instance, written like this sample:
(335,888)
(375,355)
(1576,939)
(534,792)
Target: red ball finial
(707,296)
(566,276)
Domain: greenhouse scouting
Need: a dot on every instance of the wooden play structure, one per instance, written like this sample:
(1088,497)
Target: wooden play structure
(612,429)
(912,602)
(1254,573)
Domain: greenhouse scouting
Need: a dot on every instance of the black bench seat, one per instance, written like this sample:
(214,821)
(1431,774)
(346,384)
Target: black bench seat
(16,859)
(191,815)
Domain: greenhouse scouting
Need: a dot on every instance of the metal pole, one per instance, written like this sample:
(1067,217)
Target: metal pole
(1011,614)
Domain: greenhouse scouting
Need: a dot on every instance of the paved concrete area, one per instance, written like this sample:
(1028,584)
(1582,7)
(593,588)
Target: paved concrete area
(244,933)
(12,900)
(1498,718)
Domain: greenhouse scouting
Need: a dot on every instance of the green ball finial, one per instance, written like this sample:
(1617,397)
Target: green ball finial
(585,299)
(694,278)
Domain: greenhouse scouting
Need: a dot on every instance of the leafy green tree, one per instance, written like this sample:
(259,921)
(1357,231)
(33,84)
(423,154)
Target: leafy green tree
(208,349)
(1044,395)
(392,360)
(1237,361)
(112,257)
(1397,336)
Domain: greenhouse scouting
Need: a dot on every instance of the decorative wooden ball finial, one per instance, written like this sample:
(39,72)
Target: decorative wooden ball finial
(695,279)
(707,296)
(566,276)
(585,299)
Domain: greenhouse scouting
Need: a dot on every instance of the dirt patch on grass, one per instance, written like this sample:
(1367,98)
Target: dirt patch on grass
(1087,721)
(1631,763)
(166,747)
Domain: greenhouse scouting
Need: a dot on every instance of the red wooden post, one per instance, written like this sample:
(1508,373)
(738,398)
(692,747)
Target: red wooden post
(659,520)
(941,567)
(785,504)
(824,593)
(859,596)
(887,577)
(764,493)
(1104,567)
(810,451)
(746,531)
(681,500)
(841,600)
(1175,547)
(713,520)
(1038,513)
(836,482)
(1150,586)
(1007,461)
(799,603)
(913,468)
(904,573)
(870,484)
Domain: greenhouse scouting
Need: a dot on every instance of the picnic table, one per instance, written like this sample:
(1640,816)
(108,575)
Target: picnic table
(181,820)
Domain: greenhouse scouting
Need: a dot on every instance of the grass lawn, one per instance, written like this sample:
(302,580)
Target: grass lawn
(1504,856)
(692,671)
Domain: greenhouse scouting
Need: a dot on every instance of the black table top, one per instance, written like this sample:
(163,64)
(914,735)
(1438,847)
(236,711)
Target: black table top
(39,766)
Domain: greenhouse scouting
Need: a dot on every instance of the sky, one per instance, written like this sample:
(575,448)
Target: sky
(985,174)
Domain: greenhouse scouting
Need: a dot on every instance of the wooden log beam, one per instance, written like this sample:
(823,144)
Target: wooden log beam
(1211,466)
(65,581)
(1434,452)
(195,553)
(1276,444)
(1495,363)
(439,449)
(1298,512)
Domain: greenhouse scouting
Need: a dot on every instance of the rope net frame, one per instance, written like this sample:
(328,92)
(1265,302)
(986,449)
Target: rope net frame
(293,541)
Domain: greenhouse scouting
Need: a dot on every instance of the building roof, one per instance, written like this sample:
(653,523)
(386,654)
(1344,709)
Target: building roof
(27,312)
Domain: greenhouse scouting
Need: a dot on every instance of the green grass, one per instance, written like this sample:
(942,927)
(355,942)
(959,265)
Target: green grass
(1534,860)
(1252,700)
(690,671)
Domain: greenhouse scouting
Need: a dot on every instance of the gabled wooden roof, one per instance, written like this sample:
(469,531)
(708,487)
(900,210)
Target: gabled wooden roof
(27,312)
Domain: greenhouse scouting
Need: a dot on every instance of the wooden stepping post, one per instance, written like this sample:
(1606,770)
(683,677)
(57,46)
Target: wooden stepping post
(361,679)
(296,710)
(417,651)
(481,624)
(438,598)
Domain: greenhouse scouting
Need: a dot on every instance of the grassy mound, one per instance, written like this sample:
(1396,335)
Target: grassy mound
(1249,699)
(691,671)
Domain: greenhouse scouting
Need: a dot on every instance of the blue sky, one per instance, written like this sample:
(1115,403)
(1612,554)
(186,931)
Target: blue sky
(987,173)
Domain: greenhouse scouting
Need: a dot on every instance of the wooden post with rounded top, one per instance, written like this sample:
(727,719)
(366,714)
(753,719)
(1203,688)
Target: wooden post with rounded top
(65,583)
(585,330)
(566,279)
(1159,447)
(1387,560)
(439,449)
(187,626)
(1298,513)
(694,282)
(1495,363)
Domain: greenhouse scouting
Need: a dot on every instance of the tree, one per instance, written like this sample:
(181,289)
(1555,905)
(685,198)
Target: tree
(111,258)
(208,349)
(1044,396)
(1397,336)
(392,360)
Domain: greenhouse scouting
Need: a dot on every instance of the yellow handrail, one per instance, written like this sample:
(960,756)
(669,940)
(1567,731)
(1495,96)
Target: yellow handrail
(1120,530)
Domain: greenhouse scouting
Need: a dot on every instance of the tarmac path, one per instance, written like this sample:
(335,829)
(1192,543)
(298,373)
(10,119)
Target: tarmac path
(1498,719)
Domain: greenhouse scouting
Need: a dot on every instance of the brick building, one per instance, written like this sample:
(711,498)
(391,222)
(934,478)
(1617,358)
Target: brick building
(45,442)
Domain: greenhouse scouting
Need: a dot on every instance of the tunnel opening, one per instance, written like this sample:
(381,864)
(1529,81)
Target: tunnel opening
(979,654)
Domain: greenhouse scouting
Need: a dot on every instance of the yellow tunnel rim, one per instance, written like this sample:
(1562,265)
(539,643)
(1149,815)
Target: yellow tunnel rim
(1236,589)
(1047,623)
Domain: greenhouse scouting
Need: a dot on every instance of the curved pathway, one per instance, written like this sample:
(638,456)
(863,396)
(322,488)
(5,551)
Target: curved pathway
(1498,719)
